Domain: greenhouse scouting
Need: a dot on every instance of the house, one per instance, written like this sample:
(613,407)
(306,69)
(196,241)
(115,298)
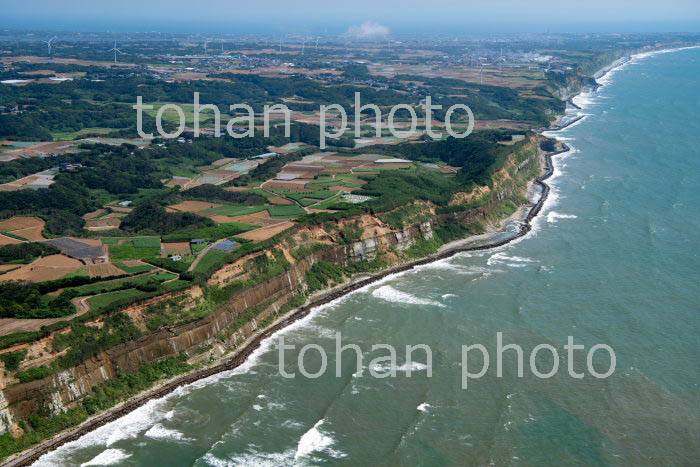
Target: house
(70,167)
(197,241)
(124,203)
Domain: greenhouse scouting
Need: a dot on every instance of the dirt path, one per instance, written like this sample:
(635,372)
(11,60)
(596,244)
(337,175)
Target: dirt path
(12,325)
(202,253)
(263,233)
(262,187)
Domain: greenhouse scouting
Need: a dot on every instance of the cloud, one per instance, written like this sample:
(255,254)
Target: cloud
(368,29)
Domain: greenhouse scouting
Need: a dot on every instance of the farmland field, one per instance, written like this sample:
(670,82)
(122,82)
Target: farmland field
(211,233)
(101,301)
(232,211)
(164,276)
(285,211)
(211,257)
(104,270)
(133,267)
(146,242)
(22,228)
(108,286)
(127,250)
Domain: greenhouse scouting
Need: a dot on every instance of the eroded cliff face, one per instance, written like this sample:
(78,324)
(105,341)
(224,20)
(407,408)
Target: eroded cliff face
(62,390)
(213,333)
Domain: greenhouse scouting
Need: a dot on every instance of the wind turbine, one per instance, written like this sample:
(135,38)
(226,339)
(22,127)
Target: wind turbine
(115,50)
(49,44)
(500,60)
(481,71)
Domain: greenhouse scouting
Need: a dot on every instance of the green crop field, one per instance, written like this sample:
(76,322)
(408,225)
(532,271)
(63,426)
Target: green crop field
(146,242)
(211,233)
(129,251)
(285,211)
(133,269)
(319,194)
(71,135)
(307,199)
(306,202)
(135,248)
(164,276)
(232,210)
(82,272)
(109,286)
(208,260)
(101,301)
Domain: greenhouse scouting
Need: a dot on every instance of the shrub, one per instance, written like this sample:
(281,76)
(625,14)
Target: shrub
(323,273)
(32,374)
(13,359)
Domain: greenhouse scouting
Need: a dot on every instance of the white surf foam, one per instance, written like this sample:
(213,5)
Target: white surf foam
(584,100)
(292,424)
(252,458)
(316,440)
(390,294)
(441,265)
(321,331)
(553,216)
(211,459)
(423,407)
(510,261)
(107,457)
(406,367)
(158,431)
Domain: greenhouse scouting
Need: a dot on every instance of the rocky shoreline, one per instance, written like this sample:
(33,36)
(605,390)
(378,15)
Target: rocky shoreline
(30,456)
(247,348)
(253,342)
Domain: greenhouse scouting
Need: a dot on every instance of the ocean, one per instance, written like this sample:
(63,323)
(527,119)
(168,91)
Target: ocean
(612,260)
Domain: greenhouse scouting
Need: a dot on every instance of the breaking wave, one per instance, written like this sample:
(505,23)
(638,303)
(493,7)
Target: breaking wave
(423,407)
(553,216)
(315,440)
(501,258)
(158,431)
(390,294)
(107,457)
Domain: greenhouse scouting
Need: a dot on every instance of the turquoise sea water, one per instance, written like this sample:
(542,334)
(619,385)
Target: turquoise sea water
(612,260)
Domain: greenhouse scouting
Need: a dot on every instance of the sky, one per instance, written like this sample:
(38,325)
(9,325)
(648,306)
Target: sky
(399,16)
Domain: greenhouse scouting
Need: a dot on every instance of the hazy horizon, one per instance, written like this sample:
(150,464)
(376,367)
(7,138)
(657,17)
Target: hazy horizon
(275,16)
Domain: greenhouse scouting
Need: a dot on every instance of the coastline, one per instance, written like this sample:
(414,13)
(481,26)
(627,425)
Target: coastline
(237,358)
(247,348)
